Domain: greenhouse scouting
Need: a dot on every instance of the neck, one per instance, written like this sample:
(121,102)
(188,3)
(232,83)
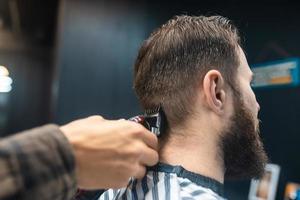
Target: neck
(196,152)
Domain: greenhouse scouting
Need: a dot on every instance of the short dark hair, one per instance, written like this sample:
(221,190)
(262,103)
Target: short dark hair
(176,57)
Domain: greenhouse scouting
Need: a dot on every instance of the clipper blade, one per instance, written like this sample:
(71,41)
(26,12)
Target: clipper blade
(153,119)
(156,120)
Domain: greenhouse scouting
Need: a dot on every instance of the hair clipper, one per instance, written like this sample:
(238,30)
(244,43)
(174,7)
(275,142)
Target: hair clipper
(154,120)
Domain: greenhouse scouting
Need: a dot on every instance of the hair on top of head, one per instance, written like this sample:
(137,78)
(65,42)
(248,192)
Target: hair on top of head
(173,61)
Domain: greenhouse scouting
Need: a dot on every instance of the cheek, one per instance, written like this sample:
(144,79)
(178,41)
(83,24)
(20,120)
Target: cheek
(250,100)
(253,105)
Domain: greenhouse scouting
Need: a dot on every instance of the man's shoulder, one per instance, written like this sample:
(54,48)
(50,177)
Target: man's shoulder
(191,190)
(164,186)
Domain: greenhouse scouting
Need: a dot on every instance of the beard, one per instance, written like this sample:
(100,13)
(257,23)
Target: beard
(241,146)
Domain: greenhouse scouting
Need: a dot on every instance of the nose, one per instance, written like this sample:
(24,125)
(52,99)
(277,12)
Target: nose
(258,106)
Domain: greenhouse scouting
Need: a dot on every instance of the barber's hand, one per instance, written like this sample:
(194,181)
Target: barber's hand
(109,152)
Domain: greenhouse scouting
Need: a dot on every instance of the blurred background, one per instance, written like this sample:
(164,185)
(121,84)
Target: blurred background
(65,59)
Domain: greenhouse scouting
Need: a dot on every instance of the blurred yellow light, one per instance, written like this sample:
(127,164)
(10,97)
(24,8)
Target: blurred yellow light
(3,71)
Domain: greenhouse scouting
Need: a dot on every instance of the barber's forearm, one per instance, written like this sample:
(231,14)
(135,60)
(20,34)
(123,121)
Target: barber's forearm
(37,164)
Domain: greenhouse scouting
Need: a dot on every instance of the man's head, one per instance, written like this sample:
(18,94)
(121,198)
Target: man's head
(195,68)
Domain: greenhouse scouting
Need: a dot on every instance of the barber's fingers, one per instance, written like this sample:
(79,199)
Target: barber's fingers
(140,172)
(96,118)
(149,138)
(149,157)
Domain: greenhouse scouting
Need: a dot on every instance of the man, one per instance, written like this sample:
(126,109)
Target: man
(49,162)
(196,71)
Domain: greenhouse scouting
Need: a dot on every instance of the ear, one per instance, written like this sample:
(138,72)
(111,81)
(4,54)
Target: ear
(214,91)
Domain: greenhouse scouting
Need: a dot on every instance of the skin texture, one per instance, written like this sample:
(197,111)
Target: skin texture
(220,139)
(109,152)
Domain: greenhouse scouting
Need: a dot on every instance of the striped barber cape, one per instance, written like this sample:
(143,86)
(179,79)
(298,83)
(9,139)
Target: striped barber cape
(166,182)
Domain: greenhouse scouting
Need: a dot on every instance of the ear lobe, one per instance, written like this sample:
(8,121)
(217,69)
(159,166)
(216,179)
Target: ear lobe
(213,87)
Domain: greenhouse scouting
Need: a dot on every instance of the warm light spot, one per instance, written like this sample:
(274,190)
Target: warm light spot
(5,80)
(3,71)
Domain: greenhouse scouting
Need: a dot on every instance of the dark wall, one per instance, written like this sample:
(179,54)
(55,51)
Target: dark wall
(28,104)
(98,42)
(280,118)
(26,48)
(271,37)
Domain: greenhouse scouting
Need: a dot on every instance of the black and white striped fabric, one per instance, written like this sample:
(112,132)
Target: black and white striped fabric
(166,182)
